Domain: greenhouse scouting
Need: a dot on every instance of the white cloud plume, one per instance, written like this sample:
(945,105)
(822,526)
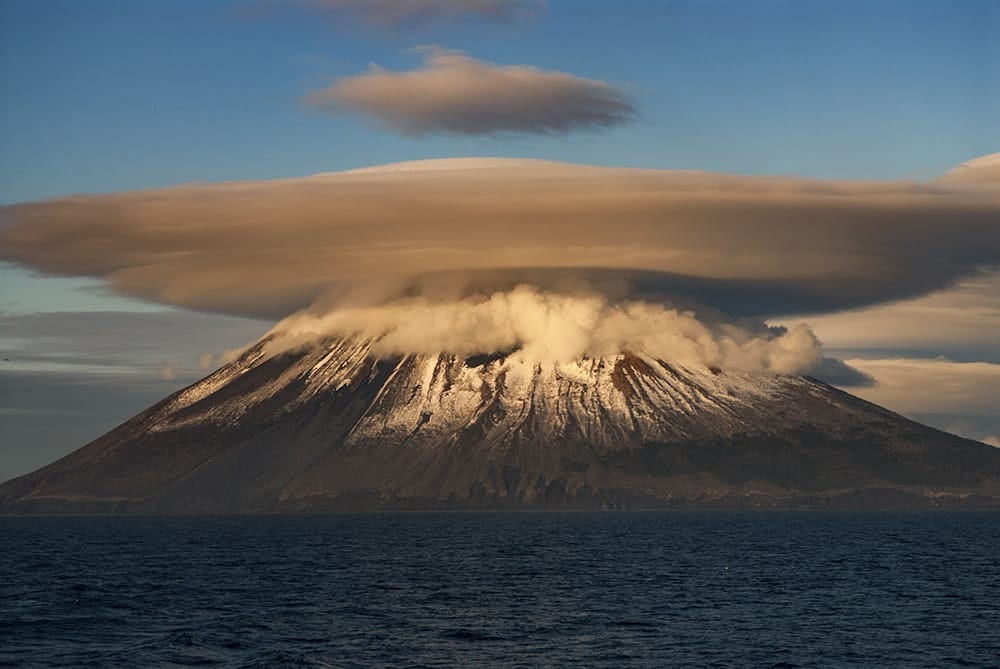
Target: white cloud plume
(549,327)
(458,95)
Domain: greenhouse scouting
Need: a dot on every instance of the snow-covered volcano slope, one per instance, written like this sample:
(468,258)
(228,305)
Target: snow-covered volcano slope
(335,426)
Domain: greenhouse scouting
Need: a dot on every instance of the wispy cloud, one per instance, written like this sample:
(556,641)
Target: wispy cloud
(984,170)
(458,95)
(915,386)
(396,14)
(961,320)
(161,345)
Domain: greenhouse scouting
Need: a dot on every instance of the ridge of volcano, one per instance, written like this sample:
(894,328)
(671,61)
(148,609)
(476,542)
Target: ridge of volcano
(338,426)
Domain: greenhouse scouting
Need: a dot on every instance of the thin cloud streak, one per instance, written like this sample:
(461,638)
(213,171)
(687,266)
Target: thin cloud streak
(963,317)
(915,386)
(45,415)
(984,170)
(413,13)
(117,342)
(402,15)
(454,94)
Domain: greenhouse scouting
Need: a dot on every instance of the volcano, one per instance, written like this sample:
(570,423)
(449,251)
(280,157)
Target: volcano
(340,426)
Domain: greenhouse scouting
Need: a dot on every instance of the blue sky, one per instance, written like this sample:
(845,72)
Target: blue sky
(112,95)
(104,96)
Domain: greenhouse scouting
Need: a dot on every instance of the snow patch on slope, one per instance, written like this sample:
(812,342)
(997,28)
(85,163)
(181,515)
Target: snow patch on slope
(436,399)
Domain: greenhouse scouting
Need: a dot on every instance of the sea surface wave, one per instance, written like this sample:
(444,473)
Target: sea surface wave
(615,589)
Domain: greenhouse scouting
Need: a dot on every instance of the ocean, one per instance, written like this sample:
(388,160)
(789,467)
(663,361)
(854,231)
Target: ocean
(613,589)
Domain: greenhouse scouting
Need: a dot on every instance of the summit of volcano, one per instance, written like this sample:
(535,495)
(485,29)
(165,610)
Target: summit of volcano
(339,425)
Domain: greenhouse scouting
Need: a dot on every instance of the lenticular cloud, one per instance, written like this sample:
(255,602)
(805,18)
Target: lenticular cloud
(458,95)
(750,246)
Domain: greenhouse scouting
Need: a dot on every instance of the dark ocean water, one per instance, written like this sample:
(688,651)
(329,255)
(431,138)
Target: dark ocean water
(617,589)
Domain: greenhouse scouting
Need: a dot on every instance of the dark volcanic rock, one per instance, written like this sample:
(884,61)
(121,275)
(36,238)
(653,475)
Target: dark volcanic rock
(336,427)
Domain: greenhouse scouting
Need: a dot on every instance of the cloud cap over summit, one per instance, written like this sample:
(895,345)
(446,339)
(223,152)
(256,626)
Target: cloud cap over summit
(267,248)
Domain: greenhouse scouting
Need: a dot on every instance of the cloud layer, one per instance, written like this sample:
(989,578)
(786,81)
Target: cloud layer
(915,386)
(396,14)
(984,170)
(68,377)
(961,321)
(116,342)
(457,95)
(959,397)
(748,245)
